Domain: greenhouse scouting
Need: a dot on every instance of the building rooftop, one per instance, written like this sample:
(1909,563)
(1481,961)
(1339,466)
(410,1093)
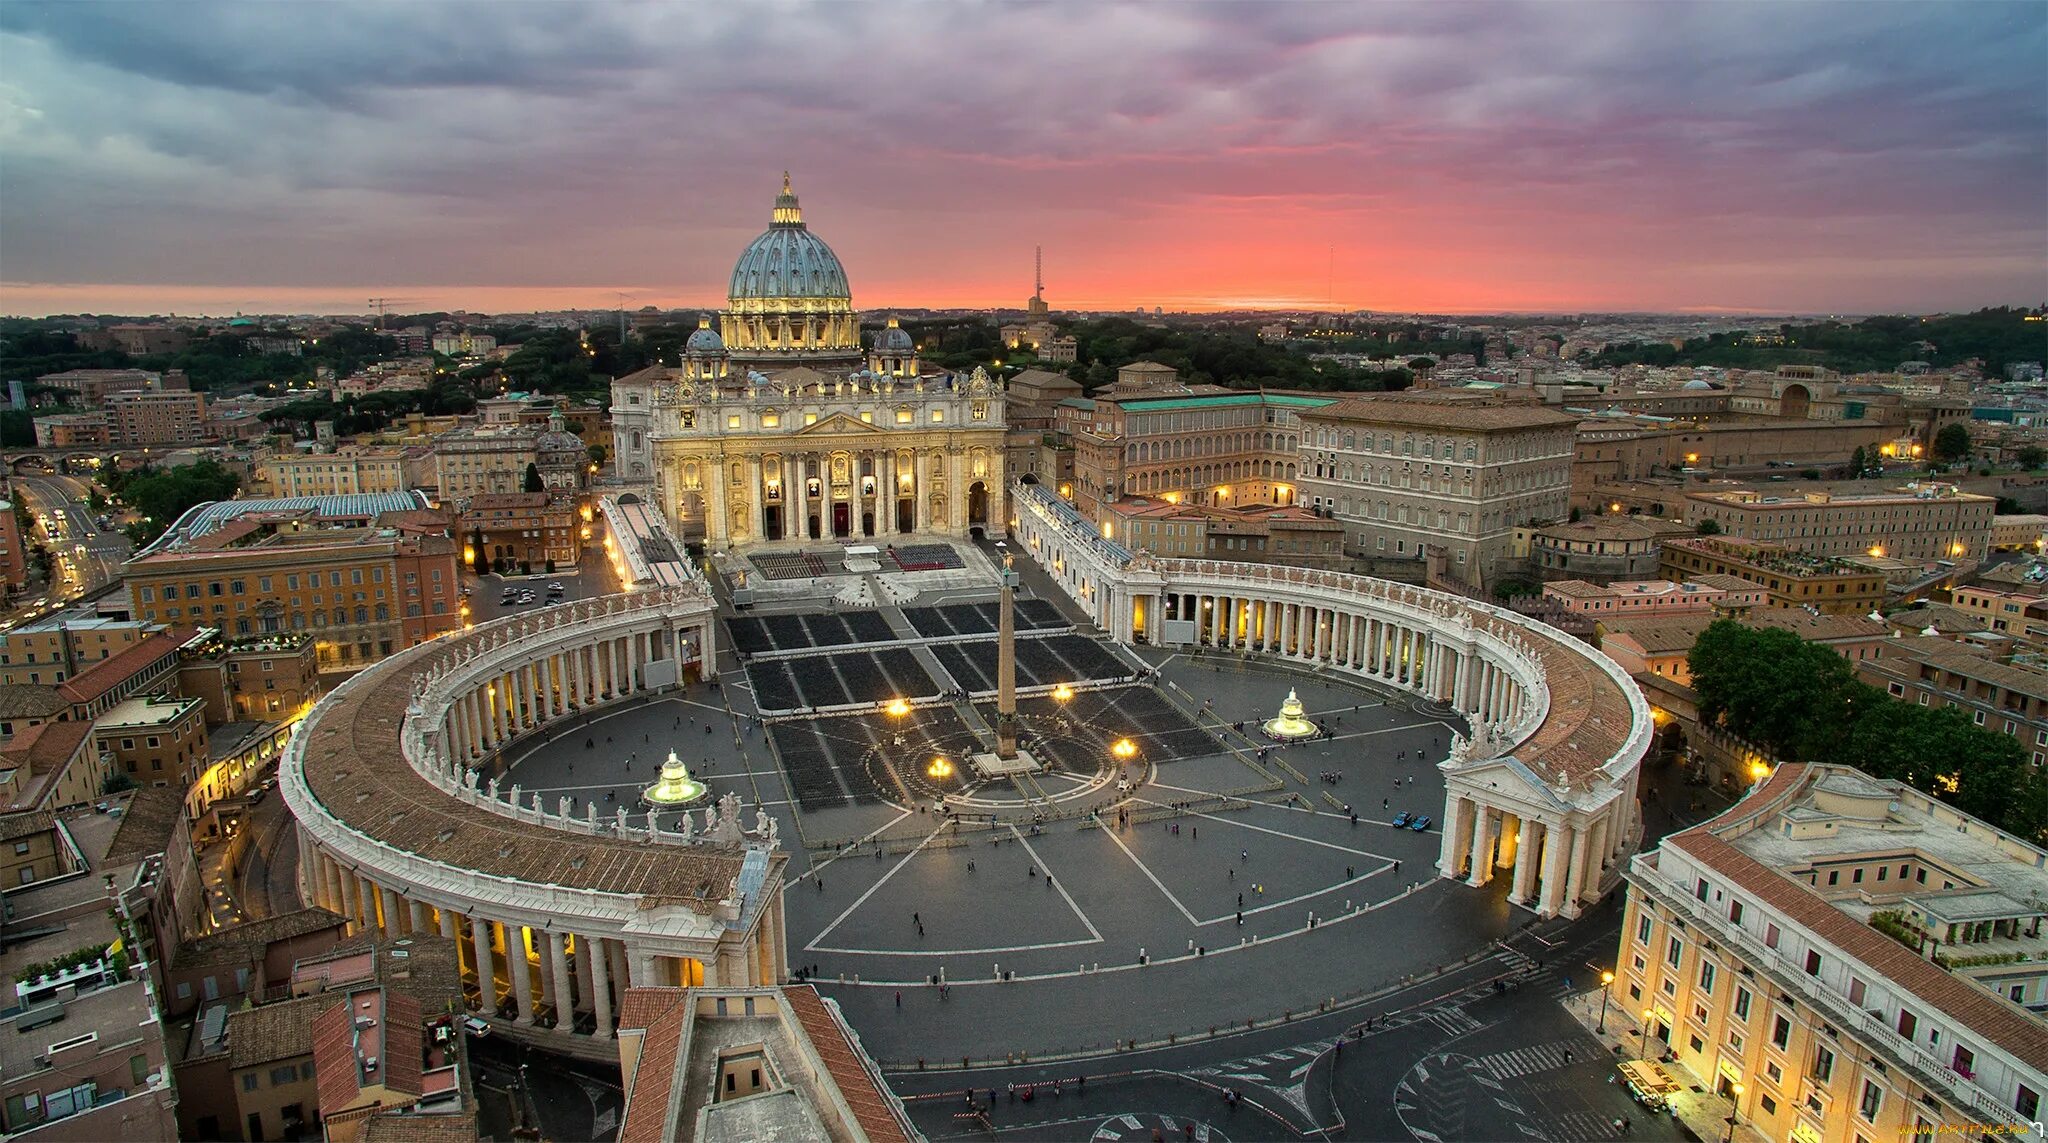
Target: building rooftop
(1659,636)
(1468,416)
(215,514)
(247,941)
(144,711)
(110,672)
(272,1032)
(1819,628)
(1803,816)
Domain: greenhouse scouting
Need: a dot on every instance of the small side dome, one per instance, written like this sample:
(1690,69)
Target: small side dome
(1696,385)
(705,340)
(894,339)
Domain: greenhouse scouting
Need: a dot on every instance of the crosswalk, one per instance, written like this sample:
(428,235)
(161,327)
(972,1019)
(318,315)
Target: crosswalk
(1147,1127)
(1544,978)
(1283,1072)
(1531,1059)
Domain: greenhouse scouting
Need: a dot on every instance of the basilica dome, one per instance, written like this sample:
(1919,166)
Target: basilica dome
(788,261)
(790,304)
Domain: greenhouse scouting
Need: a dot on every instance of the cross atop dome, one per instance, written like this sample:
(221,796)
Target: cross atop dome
(787,213)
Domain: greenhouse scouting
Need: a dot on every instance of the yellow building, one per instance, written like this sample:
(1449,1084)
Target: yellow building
(339,473)
(776,430)
(1845,958)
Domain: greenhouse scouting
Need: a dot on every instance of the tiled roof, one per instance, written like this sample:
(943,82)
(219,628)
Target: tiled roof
(45,749)
(421,1128)
(1987,1015)
(1454,415)
(1659,636)
(1820,628)
(404,1051)
(1951,656)
(13,826)
(247,941)
(112,671)
(146,825)
(872,1106)
(337,1074)
(272,1032)
(30,700)
(652,1091)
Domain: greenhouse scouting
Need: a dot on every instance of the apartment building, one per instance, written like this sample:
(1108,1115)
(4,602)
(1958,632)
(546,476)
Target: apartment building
(255,568)
(72,430)
(1258,533)
(347,470)
(1791,578)
(13,551)
(1409,473)
(156,740)
(1846,958)
(92,386)
(1652,597)
(2003,696)
(1923,521)
(523,528)
(471,462)
(151,418)
(59,646)
(1601,548)
(2021,612)
(1151,435)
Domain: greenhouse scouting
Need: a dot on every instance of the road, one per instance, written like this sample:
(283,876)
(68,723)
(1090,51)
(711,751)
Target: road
(85,558)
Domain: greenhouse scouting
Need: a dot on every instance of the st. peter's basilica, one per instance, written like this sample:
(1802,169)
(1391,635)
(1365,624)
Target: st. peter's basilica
(777,426)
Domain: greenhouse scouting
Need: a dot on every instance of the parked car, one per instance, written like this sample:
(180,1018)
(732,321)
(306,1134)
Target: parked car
(1401,819)
(1420,823)
(476,1027)
(555,587)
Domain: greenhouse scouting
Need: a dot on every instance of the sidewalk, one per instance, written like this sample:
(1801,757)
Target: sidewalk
(1701,1112)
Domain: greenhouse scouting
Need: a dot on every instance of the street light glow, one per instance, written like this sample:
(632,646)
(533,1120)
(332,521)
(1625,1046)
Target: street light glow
(939,768)
(1124,749)
(897,708)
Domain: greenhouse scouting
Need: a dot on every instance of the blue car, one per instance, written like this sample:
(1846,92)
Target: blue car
(1420,823)
(1400,819)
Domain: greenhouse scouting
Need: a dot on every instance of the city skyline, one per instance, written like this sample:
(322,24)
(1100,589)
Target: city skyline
(1449,158)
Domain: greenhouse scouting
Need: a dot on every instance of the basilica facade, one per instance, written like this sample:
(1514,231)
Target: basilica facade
(778,426)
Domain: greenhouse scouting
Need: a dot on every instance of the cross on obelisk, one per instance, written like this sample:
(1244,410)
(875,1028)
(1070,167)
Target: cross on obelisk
(1006,666)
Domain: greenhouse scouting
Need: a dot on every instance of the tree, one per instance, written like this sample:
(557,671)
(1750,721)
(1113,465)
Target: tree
(533,481)
(1709,527)
(1859,462)
(1952,443)
(162,497)
(2031,457)
(477,560)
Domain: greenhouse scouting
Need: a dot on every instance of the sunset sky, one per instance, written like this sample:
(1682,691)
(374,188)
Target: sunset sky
(1450,157)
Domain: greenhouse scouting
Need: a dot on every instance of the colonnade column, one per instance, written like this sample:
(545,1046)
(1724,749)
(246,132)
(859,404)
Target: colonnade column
(522,972)
(486,972)
(558,968)
(600,986)
(1556,847)
(1457,838)
(1575,872)
(1482,845)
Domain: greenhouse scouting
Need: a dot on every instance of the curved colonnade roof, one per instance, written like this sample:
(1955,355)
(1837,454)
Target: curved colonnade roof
(356,768)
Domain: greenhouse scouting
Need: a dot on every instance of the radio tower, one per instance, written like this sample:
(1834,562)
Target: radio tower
(1038,271)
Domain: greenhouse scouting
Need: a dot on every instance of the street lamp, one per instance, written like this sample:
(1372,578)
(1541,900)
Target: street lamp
(940,769)
(1063,694)
(1606,989)
(1125,750)
(1735,1110)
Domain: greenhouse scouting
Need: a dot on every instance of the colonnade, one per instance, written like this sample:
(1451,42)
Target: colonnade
(536,955)
(1415,654)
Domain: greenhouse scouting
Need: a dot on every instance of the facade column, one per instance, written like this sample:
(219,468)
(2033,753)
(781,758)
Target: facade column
(716,515)
(393,918)
(447,917)
(1525,861)
(522,972)
(755,515)
(486,972)
(1556,845)
(642,965)
(366,899)
(1457,839)
(1575,875)
(601,986)
(1482,845)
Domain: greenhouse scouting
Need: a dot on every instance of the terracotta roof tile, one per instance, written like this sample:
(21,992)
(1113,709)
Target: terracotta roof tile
(872,1106)
(112,671)
(421,1128)
(404,1045)
(147,823)
(271,1032)
(337,1075)
(652,1090)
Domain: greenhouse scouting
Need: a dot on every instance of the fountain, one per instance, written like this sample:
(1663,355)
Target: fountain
(1292,722)
(676,787)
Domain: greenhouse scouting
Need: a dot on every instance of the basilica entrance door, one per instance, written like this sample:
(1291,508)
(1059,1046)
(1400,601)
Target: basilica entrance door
(906,516)
(841,520)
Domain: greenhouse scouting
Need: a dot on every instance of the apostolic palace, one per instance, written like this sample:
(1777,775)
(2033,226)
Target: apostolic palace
(777,427)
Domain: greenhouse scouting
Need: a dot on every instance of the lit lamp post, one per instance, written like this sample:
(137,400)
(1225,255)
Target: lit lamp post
(1735,1110)
(897,709)
(1606,989)
(1062,695)
(939,770)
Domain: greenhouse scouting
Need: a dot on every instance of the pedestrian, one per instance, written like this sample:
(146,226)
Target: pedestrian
(970,865)
(920,930)
(1240,918)
(588,743)
(1233,874)
(1348,874)
(1240,900)
(1030,871)
(1048,881)
(1397,867)
(1244,855)
(916,919)
(1567,1055)
(1194,833)
(899,1000)
(1386,803)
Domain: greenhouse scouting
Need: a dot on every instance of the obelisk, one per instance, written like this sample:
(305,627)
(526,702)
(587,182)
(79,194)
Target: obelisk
(1006,666)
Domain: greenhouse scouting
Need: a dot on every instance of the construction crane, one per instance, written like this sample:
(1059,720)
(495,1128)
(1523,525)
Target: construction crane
(381,304)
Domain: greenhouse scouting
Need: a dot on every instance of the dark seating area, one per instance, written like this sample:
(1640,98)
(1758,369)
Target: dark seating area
(766,634)
(816,681)
(1042,661)
(1096,719)
(922,557)
(809,757)
(971,619)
